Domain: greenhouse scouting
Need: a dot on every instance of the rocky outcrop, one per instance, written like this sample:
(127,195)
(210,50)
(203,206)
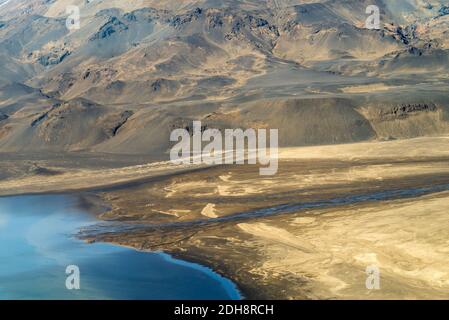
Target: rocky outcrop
(113,122)
(406,110)
(179,21)
(53,58)
(112,26)
(443,11)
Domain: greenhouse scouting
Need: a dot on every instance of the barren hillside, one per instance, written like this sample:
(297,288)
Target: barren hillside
(137,69)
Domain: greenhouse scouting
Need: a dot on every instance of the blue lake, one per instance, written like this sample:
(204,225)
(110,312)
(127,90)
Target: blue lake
(37,243)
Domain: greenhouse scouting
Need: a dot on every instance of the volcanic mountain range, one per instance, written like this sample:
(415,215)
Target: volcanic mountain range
(135,70)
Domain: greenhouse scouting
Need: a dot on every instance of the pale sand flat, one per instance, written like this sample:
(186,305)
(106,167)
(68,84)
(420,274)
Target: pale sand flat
(209,211)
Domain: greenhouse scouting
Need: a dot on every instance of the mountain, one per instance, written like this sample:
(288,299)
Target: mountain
(135,70)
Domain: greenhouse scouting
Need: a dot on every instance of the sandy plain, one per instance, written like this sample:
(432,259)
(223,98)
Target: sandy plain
(308,232)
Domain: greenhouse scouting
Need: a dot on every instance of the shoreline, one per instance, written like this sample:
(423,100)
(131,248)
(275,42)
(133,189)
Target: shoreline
(95,206)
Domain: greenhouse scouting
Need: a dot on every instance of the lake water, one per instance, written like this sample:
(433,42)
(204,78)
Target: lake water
(37,243)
